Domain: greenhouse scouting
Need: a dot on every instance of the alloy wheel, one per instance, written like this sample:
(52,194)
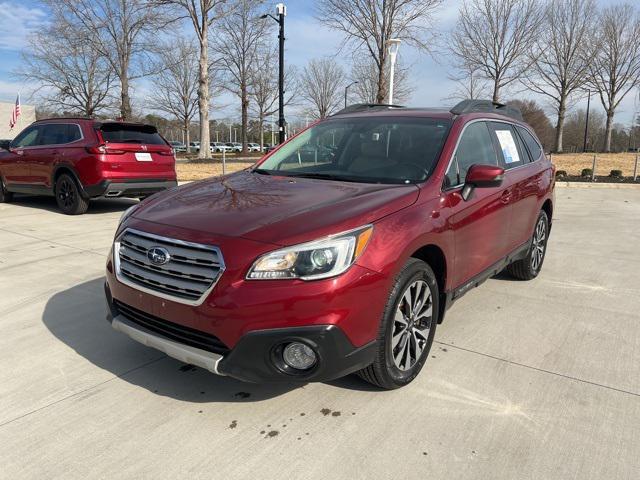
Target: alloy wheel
(539,244)
(67,193)
(411,325)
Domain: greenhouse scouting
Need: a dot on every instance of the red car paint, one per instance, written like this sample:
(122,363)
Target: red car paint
(247,215)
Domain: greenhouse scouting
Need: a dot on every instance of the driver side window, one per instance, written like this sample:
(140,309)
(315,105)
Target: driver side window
(475,147)
(28,138)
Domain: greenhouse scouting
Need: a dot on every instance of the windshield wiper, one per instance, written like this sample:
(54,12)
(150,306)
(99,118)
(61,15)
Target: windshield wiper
(325,176)
(262,171)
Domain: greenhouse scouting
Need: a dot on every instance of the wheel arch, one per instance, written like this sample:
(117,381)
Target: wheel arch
(62,169)
(433,256)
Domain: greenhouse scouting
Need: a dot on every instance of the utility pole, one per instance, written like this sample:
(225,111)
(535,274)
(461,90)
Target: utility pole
(281,11)
(346,90)
(586,123)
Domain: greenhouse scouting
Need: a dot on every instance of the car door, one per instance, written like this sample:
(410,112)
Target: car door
(480,225)
(15,163)
(55,141)
(521,181)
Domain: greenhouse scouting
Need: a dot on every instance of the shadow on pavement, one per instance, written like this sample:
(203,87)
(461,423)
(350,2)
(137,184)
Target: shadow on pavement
(77,317)
(101,205)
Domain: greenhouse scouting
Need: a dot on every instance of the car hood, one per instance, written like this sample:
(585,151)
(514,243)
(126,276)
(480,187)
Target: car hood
(274,209)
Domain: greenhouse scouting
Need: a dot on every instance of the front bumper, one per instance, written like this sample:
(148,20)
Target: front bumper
(128,188)
(256,357)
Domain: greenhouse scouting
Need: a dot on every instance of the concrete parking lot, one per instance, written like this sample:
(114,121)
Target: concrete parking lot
(526,380)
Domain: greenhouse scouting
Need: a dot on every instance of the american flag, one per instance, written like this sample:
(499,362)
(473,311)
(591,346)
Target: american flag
(15,113)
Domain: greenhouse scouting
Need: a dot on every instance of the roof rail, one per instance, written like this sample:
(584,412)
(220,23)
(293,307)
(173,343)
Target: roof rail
(65,118)
(364,107)
(486,106)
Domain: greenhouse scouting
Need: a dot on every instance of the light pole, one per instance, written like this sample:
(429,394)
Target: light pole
(586,123)
(281,11)
(392,44)
(346,90)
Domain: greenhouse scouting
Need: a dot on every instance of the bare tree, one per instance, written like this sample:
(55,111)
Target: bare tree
(561,57)
(202,14)
(369,24)
(176,87)
(365,72)
(615,69)
(73,76)
(321,85)
(240,36)
(120,30)
(534,115)
(469,84)
(263,88)
(495,37)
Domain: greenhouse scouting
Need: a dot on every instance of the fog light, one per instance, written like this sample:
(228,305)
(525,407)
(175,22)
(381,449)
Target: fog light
(299,356)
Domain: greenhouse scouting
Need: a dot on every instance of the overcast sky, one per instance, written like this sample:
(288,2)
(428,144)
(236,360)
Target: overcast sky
(306,39)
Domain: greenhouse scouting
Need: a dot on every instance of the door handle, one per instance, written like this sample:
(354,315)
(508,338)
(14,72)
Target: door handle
(506,196)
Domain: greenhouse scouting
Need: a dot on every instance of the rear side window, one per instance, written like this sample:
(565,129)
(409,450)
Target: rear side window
(532,145)
(137,134)
(475,147)
(59,134)
(509,146)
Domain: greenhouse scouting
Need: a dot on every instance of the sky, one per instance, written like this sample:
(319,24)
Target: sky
(306,39)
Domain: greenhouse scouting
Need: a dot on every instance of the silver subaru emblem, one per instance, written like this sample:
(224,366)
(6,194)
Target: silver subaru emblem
(158,255)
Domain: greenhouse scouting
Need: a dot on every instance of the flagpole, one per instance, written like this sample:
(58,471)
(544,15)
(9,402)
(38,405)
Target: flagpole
(19,116)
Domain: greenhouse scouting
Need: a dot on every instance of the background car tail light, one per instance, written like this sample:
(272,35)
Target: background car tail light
(103,149)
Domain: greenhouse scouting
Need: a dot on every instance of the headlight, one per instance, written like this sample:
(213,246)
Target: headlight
(324,258)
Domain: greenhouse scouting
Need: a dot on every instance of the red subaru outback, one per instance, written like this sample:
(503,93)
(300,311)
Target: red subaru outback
(76,159)
(338,252)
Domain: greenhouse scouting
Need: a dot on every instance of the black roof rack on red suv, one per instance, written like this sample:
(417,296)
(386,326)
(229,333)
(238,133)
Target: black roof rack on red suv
(486,106)
(64,118)
(364,107)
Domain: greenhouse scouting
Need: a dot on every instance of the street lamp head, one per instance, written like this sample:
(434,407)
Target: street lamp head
(393,44)
(266,15)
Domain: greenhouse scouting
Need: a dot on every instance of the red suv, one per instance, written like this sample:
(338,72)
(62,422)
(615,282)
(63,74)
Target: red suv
(76,159)
(338,252)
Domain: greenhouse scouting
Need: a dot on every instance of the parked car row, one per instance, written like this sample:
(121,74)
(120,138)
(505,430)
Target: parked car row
(219,147)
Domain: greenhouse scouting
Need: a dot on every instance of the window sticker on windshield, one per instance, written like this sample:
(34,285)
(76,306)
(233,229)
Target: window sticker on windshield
(508,146)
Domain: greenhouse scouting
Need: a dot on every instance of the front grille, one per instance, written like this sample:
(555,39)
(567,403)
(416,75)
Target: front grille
(173,331)
(187,277)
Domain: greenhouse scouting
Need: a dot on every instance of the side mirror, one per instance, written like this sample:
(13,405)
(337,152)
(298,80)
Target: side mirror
(482,176)
(5,144)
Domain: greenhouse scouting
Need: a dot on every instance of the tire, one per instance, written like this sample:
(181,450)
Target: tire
(529,267)
(5,196)
(68,196)
(395,367)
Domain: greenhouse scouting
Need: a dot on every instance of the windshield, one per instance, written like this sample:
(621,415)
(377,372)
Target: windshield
(368,150)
